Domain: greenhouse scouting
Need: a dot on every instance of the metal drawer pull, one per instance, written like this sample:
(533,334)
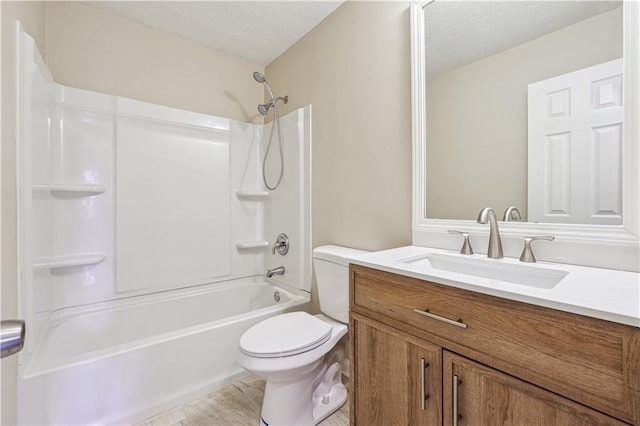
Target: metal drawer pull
(426,313)
(456,416)
(423,394)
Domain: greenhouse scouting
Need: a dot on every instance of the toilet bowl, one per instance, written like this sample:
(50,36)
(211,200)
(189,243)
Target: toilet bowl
(298,354)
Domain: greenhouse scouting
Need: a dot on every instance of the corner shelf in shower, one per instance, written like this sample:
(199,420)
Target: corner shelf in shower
(70,261)
(78,189)
(252,195)
(249,245)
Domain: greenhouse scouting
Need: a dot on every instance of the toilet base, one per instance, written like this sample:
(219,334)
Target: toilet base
(287,403)
(338,397)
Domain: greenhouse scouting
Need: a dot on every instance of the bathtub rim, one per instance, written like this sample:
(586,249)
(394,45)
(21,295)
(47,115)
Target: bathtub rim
(120,302)
(297,298)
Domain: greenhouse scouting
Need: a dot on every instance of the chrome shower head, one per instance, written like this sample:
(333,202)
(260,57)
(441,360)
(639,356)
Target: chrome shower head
(263,109)
(259,77)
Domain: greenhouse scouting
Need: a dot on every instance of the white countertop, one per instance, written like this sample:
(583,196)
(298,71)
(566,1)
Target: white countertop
(594,292)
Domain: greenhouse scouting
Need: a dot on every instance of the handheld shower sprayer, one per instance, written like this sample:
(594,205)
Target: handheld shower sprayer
(264,108)
(259,77)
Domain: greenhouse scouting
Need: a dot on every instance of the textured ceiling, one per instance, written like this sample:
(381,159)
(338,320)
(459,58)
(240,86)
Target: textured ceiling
(462,32)
(258,31)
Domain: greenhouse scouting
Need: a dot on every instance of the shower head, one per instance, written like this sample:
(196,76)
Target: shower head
(263,109)
(259,77)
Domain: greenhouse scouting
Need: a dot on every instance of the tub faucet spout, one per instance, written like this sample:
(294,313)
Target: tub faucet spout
(275,271)
(487,215)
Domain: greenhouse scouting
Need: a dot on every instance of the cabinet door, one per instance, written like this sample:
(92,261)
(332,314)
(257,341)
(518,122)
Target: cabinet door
(479,395)
(396,379)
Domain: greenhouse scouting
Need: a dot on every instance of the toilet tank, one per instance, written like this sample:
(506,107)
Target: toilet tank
(331,264)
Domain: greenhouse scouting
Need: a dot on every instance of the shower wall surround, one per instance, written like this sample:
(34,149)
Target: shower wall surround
(121,198)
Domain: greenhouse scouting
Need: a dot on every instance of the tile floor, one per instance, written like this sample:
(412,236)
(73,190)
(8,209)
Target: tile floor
(237,404)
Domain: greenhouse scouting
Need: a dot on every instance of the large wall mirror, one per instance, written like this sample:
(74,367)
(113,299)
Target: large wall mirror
(522,106)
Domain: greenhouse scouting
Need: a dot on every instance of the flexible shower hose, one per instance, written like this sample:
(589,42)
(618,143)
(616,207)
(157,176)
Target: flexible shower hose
(276,117)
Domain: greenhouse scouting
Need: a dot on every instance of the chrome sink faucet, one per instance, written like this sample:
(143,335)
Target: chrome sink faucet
(487,215)
(511,214)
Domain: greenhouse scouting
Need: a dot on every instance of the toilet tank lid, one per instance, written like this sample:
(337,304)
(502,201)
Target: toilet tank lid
(337,254)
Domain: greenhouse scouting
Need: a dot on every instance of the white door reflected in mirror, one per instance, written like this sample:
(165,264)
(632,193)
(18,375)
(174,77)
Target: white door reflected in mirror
(575,147)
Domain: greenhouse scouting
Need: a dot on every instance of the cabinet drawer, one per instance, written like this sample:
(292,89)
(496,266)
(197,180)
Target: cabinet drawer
(594,362)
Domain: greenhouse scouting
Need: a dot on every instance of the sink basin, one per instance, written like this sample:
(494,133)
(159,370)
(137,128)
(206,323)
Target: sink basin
(494,270)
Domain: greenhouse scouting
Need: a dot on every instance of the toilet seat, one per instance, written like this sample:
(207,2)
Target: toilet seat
(285,335)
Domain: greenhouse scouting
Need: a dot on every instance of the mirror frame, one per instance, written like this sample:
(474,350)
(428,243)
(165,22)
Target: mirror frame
(615,247)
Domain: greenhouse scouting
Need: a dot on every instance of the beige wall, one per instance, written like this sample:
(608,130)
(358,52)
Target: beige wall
(477,117)
(93,49)
(354,68)
(32,16)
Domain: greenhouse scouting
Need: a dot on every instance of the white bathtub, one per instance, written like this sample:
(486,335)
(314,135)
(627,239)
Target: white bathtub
(125,360)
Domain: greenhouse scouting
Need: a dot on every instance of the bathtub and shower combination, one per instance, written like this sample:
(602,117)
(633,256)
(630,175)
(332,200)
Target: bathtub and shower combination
(127,316)
(126,360)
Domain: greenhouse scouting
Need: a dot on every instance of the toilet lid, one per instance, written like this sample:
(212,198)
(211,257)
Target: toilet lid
(283,335)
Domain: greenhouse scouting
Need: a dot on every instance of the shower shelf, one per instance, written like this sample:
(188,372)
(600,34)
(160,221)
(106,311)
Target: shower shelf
(252,195)
(80,188)
(70,261)
(247,245)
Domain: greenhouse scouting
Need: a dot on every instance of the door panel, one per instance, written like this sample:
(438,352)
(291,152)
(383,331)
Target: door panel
(575,147)
(388,377)
(488,397)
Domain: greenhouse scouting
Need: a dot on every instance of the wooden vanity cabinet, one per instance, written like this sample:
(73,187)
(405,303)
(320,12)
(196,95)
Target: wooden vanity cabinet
(517,363)
(398,376)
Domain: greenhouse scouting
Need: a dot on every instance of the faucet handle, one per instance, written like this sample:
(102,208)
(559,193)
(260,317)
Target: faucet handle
(281,245)
(527,253)
(466,245)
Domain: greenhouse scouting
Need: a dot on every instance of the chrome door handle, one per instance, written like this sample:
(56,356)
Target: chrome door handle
(426,313)
(12,334)
(423,379)
(456,415)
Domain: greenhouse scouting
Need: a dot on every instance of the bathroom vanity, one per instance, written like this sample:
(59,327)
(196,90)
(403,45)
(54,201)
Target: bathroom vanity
(438,337)
(431,346)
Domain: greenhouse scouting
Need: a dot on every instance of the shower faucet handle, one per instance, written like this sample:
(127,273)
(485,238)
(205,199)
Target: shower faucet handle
(466,245)
(281,245)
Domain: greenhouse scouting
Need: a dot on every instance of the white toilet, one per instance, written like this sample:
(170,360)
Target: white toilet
(296,352)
